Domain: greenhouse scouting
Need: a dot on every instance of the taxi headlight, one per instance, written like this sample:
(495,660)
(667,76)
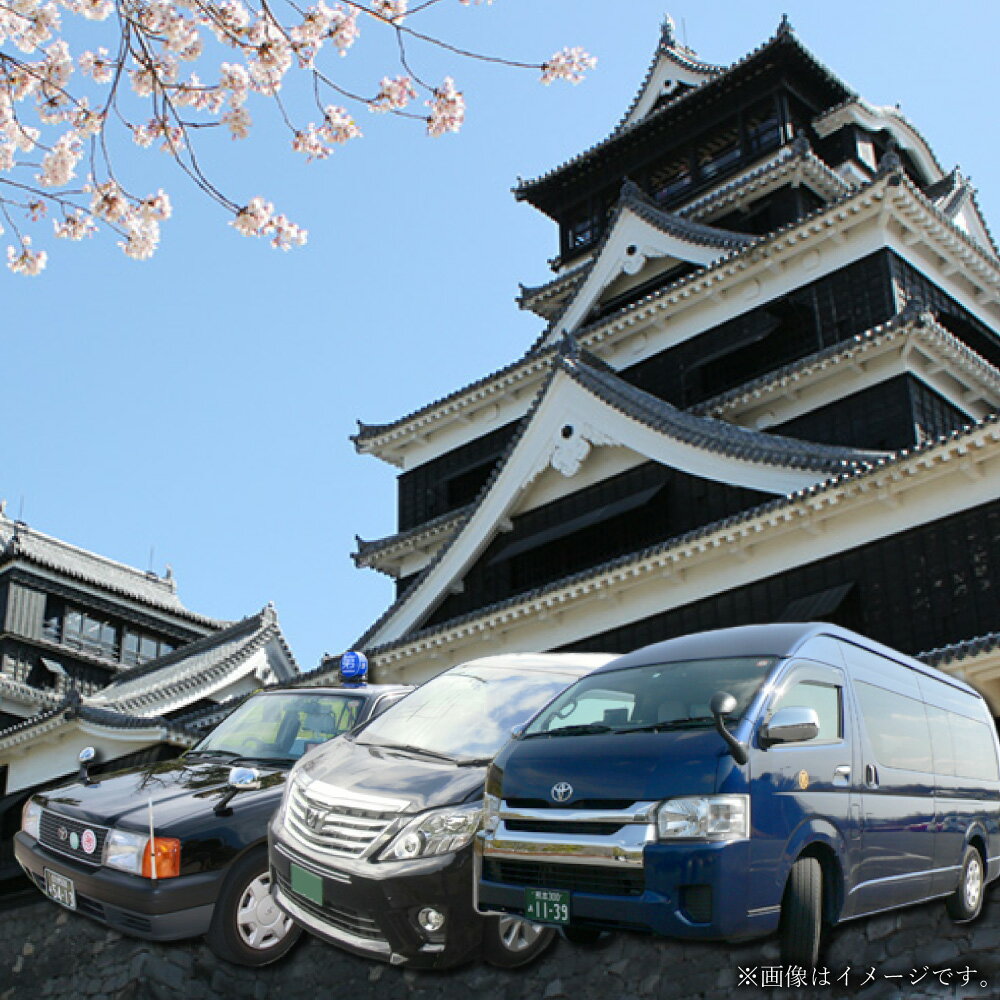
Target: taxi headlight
(31,818)
(124,850)
(704,817)
(436,832)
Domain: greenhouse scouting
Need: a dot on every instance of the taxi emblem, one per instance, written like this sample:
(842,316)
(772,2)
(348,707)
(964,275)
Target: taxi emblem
(803,780)
(74,840)
(561,791)
(88,842)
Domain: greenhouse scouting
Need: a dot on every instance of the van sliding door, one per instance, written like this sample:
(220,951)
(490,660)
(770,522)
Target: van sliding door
(898,794)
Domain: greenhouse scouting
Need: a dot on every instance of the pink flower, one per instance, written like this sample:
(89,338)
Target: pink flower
(393,95)
(26,260)
(567,64)
(254,219)
(97,65)
(447,109)
(75,226)
(392,10)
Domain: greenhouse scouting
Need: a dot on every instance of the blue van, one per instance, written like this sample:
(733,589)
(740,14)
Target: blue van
(728,784)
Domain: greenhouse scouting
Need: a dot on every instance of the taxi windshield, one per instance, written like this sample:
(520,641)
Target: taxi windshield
(281,726)
(661,696)
(465,714)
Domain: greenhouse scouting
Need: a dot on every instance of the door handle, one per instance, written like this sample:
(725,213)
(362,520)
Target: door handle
(871,775)
(842,775)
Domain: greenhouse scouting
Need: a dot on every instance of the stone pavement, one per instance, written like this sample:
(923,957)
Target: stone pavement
(46,952)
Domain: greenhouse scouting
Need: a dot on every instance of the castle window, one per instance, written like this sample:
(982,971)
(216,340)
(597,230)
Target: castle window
(720,152)
(671,179)
(762,127)
(138,648)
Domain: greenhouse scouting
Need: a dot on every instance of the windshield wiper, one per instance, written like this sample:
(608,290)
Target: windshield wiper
(659,727)
(576,730)
(228,754)
(420,751)
(264,760)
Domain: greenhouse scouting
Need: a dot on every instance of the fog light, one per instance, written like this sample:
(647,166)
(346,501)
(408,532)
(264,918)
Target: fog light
(430,920)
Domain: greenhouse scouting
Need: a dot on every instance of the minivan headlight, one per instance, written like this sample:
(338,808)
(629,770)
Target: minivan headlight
(436,832)
(31,818)
(704,817)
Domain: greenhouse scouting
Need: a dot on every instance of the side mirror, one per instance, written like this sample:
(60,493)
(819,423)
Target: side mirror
(515,731)
(86,757)
(721,705)
(241,779)
(244,778)
(791,725)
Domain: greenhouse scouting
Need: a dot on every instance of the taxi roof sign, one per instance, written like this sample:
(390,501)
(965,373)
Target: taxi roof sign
(354,667)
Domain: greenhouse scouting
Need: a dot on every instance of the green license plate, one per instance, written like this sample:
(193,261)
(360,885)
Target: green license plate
(305,883)
(547,906)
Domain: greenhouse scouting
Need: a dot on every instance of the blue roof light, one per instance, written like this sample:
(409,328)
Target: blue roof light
(354,667)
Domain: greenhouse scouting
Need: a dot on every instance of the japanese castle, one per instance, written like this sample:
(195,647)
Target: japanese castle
(765,388)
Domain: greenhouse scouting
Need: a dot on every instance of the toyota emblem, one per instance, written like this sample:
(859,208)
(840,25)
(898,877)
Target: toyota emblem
(315,818)
(562,791)
(62,833)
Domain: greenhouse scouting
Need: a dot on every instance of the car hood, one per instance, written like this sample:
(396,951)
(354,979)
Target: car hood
(635,767)
(177,788)
(423,783)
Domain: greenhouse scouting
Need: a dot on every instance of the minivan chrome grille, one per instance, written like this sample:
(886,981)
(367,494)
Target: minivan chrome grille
(337,821)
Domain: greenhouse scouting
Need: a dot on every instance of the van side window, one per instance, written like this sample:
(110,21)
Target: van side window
(824,698)
(897,728)
(975,755)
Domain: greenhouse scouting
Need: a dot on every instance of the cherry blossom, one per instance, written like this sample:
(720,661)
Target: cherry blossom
(393,95)
(568,64)
(26,260)
(159,72)
(447,109)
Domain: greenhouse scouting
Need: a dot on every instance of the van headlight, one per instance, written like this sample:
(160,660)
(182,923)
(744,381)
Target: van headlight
(436,832)
(704,817)
(491,812)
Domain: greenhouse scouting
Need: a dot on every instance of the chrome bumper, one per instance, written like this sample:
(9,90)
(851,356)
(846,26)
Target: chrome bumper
(637,828)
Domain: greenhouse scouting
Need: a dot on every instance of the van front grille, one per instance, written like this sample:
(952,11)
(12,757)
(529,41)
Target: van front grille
(338,823)
(594,879)
(556,826)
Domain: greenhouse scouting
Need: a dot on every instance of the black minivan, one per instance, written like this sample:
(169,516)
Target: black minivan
(371,849)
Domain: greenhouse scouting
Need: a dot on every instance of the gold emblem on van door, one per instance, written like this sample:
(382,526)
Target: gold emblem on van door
(803,779)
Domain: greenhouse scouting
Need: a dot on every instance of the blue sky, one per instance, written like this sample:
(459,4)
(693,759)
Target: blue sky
(195,409)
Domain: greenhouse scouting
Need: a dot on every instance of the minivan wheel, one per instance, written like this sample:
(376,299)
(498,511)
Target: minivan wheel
(802,914)
(509,942)
(248,927)
(967,900)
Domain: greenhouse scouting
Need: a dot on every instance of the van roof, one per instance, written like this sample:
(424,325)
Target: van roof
(781,639)
(575,663)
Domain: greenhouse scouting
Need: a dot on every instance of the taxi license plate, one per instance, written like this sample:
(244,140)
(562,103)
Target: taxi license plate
(60,888)
(306,884)
(547,906)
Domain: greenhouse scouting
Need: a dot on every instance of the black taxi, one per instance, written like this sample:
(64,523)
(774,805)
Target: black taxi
(178,849)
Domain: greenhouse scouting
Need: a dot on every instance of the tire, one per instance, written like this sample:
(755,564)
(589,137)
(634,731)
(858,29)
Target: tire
(510,942)
(247,926)
(966,902)
(802,914)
